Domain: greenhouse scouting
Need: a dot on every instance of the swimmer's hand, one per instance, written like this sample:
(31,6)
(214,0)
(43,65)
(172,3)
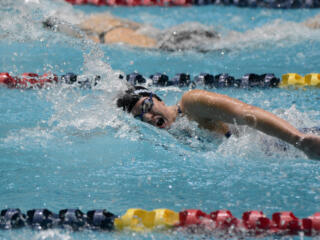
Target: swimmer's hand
(310,145)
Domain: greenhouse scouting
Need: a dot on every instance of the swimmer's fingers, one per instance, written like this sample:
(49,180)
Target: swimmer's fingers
(310,144)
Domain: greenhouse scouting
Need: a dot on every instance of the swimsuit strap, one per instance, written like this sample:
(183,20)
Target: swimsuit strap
(179,109)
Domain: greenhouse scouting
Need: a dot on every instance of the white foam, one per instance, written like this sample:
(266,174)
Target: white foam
(52,234)
(278,33)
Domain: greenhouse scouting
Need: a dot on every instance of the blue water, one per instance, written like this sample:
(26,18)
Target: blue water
(69,148)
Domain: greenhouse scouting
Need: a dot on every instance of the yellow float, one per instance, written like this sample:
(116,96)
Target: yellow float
(294,79)
(137,219)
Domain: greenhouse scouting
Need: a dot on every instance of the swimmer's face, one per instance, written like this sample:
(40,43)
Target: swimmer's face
(152,111)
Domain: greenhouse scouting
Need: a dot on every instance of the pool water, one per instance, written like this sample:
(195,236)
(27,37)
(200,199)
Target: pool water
(65,147)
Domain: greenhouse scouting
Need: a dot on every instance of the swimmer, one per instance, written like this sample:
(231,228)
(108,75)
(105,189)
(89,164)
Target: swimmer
(214,112)
(107,29)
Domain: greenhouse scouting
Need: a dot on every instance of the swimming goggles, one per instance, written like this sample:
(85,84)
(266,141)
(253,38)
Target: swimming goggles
(146,106)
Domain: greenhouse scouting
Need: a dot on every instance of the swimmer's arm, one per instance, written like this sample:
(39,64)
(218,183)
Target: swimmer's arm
(59,25)
(201,105)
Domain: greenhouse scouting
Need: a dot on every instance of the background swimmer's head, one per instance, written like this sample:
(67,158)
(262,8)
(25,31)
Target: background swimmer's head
(129,99)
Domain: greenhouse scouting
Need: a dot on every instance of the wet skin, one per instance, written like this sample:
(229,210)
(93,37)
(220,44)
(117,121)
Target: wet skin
(214,111)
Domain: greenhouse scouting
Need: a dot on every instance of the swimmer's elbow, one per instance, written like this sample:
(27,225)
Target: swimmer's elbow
(248,116)
(250,120)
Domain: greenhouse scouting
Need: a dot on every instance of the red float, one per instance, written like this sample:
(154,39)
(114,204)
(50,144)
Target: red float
(311,225)
(163,2)
(119,2)
(306,225)
(111,2)
(180,2)
(132,3)
(97,2)
(148,2)
(286,222)
(193,217)
(315,218)
(28,80)
(77,2)
(224,219)
(6,79)
(256,220)
(256,223)
(48,78)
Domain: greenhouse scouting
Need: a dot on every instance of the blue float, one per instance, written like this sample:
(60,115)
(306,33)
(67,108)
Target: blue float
(41,219)
(101,219)
(12,218)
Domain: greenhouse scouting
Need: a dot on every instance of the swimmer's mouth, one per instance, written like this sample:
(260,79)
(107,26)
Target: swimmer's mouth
(161,123)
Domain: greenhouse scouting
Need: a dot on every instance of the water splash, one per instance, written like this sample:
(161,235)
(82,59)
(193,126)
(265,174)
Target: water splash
(275,34)
(72,108)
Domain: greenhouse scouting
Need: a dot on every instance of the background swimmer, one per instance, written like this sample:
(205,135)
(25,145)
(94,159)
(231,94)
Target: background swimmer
(107,29)
(214,112)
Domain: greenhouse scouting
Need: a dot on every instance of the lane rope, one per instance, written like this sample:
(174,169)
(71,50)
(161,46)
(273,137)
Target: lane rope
(285,4)
(223,80)
(252,223)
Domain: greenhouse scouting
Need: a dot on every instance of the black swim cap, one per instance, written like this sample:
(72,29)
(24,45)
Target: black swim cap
(132,96)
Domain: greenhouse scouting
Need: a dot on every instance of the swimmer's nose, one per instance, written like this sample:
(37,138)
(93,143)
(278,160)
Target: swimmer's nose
(160,122)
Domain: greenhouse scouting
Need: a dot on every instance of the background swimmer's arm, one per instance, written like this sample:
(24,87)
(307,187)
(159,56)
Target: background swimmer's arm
(59,25)
(201,105)
(313,22)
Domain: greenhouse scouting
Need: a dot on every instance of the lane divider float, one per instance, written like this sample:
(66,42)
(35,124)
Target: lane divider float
(294,79)
(222,80)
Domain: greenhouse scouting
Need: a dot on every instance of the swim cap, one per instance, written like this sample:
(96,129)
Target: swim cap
(132,96)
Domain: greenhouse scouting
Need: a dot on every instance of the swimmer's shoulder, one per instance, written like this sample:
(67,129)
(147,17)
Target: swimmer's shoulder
(192,100)
(193,94)
(197,95)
